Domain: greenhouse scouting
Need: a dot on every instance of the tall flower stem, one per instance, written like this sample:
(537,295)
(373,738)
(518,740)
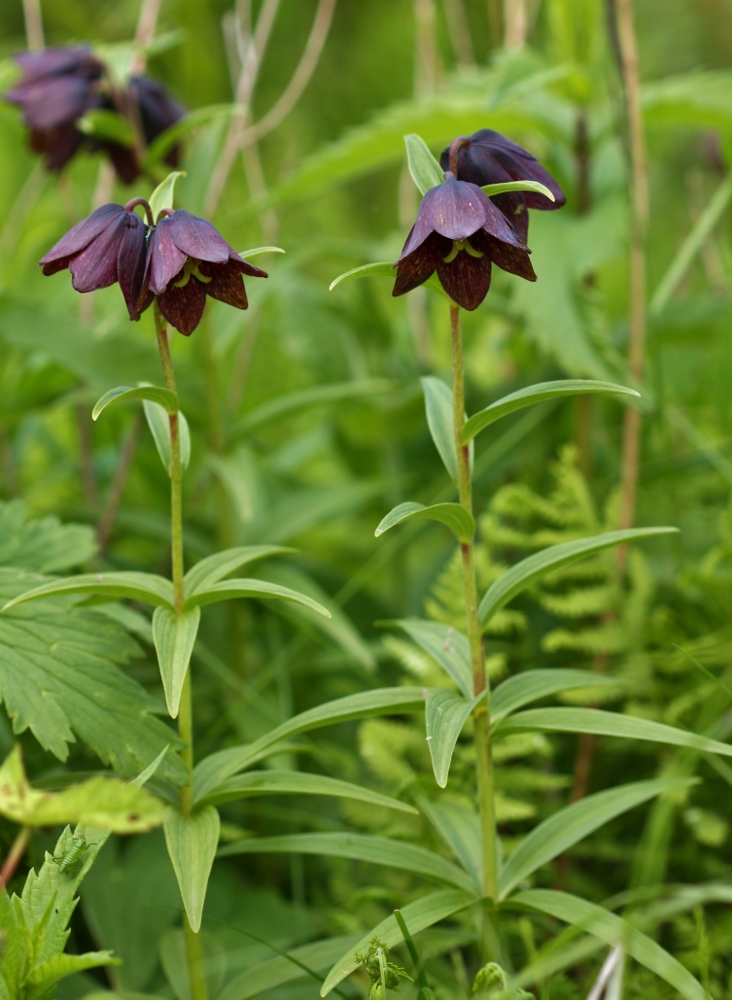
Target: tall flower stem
(484,760)
(194,953)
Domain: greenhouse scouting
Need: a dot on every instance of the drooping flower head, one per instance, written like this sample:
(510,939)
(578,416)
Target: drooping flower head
(487,157)
(154,110)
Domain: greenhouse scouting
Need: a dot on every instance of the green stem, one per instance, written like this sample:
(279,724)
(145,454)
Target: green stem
(194,953)
(484,761)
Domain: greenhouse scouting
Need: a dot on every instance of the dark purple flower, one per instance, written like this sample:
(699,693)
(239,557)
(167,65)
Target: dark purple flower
(487,157)
(154,111)
(110,245)
(189,259)
(458,232)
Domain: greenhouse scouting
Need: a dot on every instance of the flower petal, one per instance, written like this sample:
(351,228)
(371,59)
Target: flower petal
(226,284)
(198,238)
(96,266)
(514,259)
(58,145)
(56,101)
(131,260)
(166,260)
(512,204)
(183,307)
(466,279)
(454,209)
(417,266)
(79,237)
(498,225)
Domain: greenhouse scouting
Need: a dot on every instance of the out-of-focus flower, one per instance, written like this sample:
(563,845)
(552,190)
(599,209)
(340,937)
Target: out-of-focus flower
(189,259)
(458,233)
(110,245)
(153,111)
(487,157)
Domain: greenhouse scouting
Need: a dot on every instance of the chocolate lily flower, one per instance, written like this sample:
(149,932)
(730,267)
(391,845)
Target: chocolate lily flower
(108,246)
(458,233)
(189,259)
(487,157)
(155,111)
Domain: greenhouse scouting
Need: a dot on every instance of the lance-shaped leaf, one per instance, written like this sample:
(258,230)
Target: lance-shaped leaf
(215,768)
(438,405)
(258,251)
(594,720)
(214,568)
(192,842)
(359,847)
(456,517)
(229,590)
(536,186)
(174,637)
(533,568)
(531,685)
(163,397)
(144,587)
(257,783)
(446,645)
(425,170)
(445,715)
(163,195)
(418,915)
(570,825)
(614,931)
(158,421)
(538,394)
(382,269)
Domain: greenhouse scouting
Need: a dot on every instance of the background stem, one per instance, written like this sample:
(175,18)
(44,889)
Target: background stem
(15,856)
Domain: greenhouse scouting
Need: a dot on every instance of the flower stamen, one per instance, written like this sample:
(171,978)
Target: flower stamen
(459,245)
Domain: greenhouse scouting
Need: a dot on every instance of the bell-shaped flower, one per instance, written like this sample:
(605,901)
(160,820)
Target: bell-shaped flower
(155,111)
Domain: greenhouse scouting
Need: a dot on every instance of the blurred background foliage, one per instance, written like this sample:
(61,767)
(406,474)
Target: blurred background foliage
(308,424)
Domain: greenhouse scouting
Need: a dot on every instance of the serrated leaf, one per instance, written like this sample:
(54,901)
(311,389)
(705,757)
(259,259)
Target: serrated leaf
(163,397)
(192,842)
(42,546)
(446,645)
(383,269)
(146,587)
(539,393)
(163,195)
(359,847)
(159,423)
(425,170)
(567,827)
(445,716)
(531,685)
(174,637)
(102,802)
(535,186)
(229,590)
(453,515)
(533,568)
(438,404)
(60,678)
(213,568)
(44,976)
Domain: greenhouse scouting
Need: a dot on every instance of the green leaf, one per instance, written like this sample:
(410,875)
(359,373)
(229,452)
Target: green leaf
(533,568)
(174,637)
(531,685)
(42,546)
(192,842)
(535,186)
(225,763)
(614,931)
(163,397)
(359,847)
(163,195)
(593,720)
(438,404)
(229,590)
(537,394)
(459,827)
(320,395)
(101,123)
(419,915)
(102,802)
(459,520)
(258,251)
(445,715)
(570,825)
(444,644)
(146,587)
(159,423)
(272,782)
(47,974)
(161,146)
(382,269)
(425,170)
(213,568)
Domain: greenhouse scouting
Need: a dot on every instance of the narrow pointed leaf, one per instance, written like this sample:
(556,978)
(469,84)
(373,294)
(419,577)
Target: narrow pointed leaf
(531,685)
(533,568)
(593,720)
(456,517)
(174,637)
(418,915)
(163,397)
(163,195)
(256,783)
(144,587)
(303,399)
(536,186)
(459,827)
(214,568)
(446,645)
(229,590)
(538,394)
(285,967)
(425,170)
(445,716)
(192,842)
(614,931)
(258,251)
(383,269)
(159,423)
(570,825)
(359,847)
(438,404)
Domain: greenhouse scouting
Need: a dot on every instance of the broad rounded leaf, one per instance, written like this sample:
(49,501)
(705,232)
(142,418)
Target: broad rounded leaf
(163,397)
(456,517)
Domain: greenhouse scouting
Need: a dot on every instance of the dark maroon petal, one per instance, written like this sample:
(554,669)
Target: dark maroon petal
(183,307)
(166,260)
(496,224)
(124,161)
(96,266)
(51,62)
(455,209)
(131,260)
(511,258)
(58,145)
(245,267)
(49,103)
(198,238)
(466,279)
(157,109)
(416,267)
(81,236)
(226,284)
(512,204)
